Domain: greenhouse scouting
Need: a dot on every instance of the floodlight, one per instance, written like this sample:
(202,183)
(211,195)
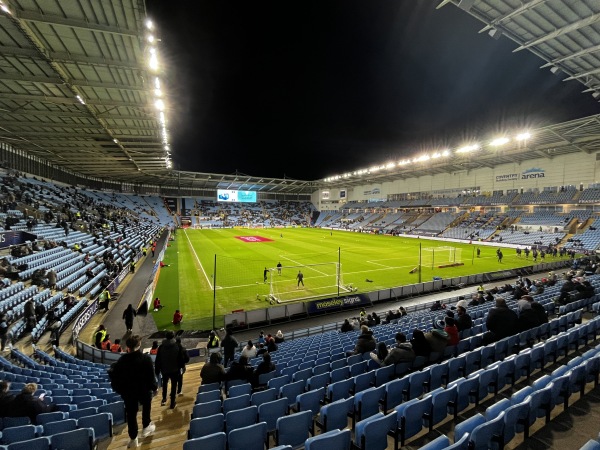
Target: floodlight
(150,38)
(446,153)
(523,136)
(390,165)
(374,169)
(499,141)
(149,24)
(78,97)
(5,8)
(160,105)
(153,62)
(468,148)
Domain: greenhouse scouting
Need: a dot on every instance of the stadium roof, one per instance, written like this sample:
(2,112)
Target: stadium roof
(563,33)
(76,90)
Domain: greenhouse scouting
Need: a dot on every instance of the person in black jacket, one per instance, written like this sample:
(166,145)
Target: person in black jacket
(6,399)
(537,308)
(229,344)
(365,341)
(185,359)
(26,404)
(240,370)
(265,366)
(501,322)
(527,317)
(463,321)
(169,361)
(128,316)
(132,376)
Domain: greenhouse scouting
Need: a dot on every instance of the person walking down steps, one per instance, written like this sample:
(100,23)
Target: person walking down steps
(128,316)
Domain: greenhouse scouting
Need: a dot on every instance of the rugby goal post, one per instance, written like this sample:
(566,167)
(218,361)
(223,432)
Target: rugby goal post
(432,257)
(320,280)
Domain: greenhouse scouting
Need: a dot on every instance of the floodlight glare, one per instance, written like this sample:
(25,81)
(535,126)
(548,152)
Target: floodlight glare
(153,62)
(468,148)
(160,105)
(149,24)
(523,136)
(499,141)
(156,83)
(390,165)
(150,38)
(5,8)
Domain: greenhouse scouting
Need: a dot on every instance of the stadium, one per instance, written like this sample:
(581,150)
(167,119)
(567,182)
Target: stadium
(97,215)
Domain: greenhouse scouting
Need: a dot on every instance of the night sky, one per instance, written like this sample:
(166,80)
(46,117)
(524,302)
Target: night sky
(308,89)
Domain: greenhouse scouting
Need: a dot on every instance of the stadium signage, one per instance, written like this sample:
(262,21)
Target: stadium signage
(84,318)
(9,238)
(372,191)
(533,173)
(338,303)
(508,177)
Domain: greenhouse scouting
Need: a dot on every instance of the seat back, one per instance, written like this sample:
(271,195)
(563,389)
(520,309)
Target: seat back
(204,426)
(80,439)
(237,402)
(102,424)
(215,441)
(60,426)
(252,437)
(269,412)
(334,439)
(335,415)
(294,429)
(240,418)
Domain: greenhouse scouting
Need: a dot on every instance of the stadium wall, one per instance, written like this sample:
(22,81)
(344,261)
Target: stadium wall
(573,169)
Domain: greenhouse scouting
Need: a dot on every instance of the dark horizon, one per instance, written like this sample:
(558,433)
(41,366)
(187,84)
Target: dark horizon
(308,90)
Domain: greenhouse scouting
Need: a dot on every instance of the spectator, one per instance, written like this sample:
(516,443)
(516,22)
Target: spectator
(3,331)
(271,345)
(261,350)
(401,311)
(128,316)
(213,371)
(240,370)
(463,321)
(265,366)
(261,337)
(501,322)
(437,340)
(452,330)
(380,354)
(437,305)
(132,376)
(26,404)
(279,337)
(419,344)
(184,360)
(249,351)
(229,344)
(169,360)
(365,341)
(537,308)
(402,352)
(154,348)
(346,326)
(156,304)
(527,317)
(6,399)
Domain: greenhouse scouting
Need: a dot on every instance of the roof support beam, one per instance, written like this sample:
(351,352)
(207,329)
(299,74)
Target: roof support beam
(521,9)
(559,32)
(33,16)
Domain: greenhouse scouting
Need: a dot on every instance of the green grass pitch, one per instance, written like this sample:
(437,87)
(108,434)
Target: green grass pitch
(190,285)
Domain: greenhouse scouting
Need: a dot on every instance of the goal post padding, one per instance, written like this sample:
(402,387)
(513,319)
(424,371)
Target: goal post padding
(320,280)
(436,256)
